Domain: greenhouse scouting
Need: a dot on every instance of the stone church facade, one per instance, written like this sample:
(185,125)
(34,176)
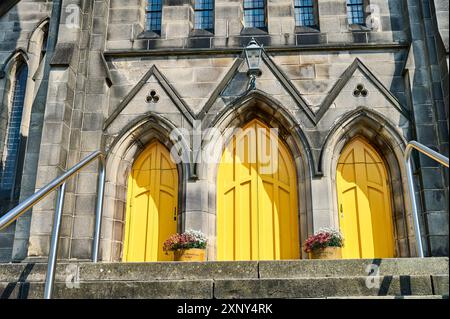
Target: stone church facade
(116,75)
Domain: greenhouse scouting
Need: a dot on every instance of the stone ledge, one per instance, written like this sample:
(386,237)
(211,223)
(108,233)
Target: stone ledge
(352,267)
(120,53)
(86,271)
(63,55)
(181,289)
(390,297)
(169,270)
(389,286)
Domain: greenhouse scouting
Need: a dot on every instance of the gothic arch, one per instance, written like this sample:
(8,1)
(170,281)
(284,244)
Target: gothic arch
(36,48)
(30,57)
(40,27)
(7,72)
(121,153)
(16,55)
(382,135)
(257,105)
(17,60)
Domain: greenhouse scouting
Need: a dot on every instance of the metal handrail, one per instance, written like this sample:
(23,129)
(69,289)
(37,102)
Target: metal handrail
(413,145)
(60,183)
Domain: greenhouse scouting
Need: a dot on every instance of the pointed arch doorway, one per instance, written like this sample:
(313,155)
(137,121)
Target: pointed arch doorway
(364,202)
(257,208)
(152,201)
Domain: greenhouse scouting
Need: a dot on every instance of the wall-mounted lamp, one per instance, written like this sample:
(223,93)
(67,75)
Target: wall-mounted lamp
(253,53)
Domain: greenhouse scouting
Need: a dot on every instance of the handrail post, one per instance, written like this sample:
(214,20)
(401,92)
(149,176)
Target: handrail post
(409,171)
(53,252)
(99,209)
(60,184)
(412,195)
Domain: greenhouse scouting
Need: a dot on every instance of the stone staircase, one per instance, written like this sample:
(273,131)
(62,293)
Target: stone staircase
(390,278)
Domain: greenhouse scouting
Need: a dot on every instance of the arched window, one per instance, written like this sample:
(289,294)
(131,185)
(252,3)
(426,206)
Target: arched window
(154,13)
(204,15)
(11,161)
(306,13)
(255,14)
(356,12)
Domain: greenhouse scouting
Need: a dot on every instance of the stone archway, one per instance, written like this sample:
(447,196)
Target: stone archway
(257,214)
(121,155)
(390,144)
(270,112)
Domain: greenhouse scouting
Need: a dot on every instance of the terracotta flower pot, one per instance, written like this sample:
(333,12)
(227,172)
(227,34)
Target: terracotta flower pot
(326,253)
(193,254)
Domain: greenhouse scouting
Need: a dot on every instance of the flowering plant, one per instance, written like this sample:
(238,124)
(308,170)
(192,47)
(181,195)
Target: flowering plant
(325,237)
(187,240)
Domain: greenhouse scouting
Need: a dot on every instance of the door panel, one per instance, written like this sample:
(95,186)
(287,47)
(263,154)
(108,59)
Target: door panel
(365,214)
(256,204)
(152,202)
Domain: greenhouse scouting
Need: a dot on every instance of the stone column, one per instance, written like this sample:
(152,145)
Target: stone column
(31,159)
(18,25)
(86,134)
(427,110)
(176,19)
(229,20)
(56,131)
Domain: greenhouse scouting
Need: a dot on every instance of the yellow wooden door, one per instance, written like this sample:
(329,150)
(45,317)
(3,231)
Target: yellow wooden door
(257,216)
(364,202)
(151,215)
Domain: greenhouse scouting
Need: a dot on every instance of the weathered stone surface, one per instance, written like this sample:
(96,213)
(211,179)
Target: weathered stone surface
(170,270)
(321,287)
(389,297)
(63,54)
(352,267)
(228,279)
(174,289)
(309,85)
(35,272)
(440,284)
(10,290)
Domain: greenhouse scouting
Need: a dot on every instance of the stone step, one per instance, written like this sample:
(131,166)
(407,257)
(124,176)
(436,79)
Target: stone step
(318,287)
(170,289)
(390,297)
(226,270)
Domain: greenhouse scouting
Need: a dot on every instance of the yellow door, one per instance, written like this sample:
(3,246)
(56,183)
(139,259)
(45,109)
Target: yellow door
(151,215)
(257,198)
(364,203)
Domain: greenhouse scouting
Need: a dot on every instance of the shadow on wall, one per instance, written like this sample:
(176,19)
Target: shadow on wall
(21,283)
(386,287)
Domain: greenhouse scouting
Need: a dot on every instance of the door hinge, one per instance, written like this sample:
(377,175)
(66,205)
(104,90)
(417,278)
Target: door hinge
(175,214)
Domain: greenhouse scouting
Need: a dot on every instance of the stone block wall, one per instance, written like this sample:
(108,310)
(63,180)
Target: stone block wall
(427,97)
(102,72)
(21,40)
(126,29)
(77,90)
